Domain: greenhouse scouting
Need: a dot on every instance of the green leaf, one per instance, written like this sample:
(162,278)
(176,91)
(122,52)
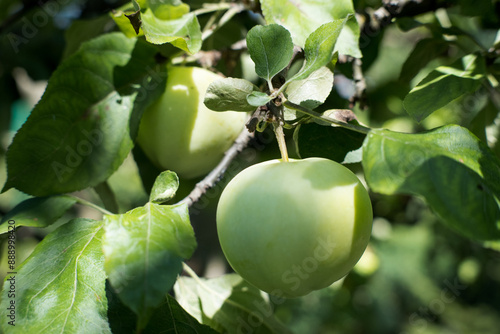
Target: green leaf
(424,51)
(83,127)
(270,48)
(128,20)
(144,249)
(311,91)
(83,30)
(303,17)
(163,22)
(168,317)
(330,142)
(229,94)
(228,304)
(37,212)
(165,9)
(183,33)
(456,173)
(164,188)
(60,288)
(257,99)
(171,315)
(443,85)
(319,48)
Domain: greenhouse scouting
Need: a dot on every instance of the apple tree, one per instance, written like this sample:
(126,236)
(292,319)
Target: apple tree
(225,166)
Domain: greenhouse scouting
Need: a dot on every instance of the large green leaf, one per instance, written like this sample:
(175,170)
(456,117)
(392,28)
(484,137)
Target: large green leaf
(144,249)
(456,173)
(60,288)
(228,304)
(270,48)
(37,212)
(443,85)
(319,48)
(302,17)
(84,126)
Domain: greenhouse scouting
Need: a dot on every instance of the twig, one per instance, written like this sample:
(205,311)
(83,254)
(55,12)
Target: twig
(216,174)
(391,9)
(90,204)
(359,85)
(314,114)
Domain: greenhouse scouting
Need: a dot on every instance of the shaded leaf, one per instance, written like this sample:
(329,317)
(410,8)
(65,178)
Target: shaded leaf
(257,99)
(456,173)
(93,102)
(443,85)
(319,48)
(168,317)
(303,17)
(334,143)
(228,304)
(229,94)
(83,30)
(60,288)
(144,249)
(426,50)
(270,48)
(37,212)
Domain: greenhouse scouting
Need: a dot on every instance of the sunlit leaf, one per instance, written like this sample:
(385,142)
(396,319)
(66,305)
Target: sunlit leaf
(313,90)
(270,48)
(165,187)
(302,17)
(144,249)
(319,48)
(60,288)
(228,304)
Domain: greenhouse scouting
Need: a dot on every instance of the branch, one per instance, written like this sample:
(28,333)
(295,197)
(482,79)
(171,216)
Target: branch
(216,174)
(391,9)
(359,85)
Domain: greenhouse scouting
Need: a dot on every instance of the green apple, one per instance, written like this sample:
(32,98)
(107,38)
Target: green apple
(293,227)
(178,132)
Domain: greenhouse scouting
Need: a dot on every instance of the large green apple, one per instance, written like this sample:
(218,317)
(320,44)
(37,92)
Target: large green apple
(179,133)
(293,227)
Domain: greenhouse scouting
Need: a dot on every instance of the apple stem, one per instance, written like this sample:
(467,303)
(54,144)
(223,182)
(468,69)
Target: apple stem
(280,136)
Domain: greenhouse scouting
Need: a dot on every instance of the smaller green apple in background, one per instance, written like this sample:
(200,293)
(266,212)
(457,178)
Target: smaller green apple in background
(178,132)
(293,227)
